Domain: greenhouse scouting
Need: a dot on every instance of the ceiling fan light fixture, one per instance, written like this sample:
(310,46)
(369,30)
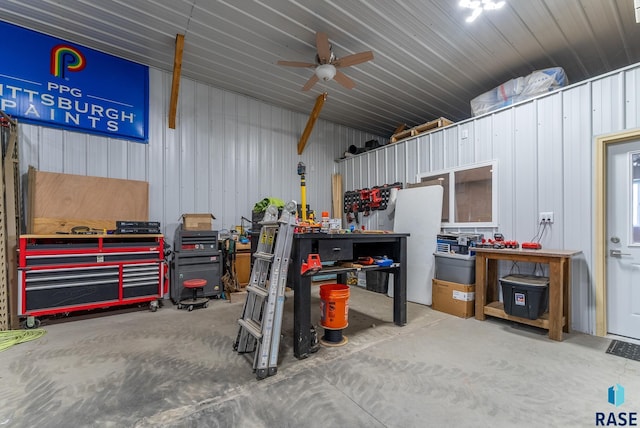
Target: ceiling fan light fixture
(477,6)
(325,72)
(491,5)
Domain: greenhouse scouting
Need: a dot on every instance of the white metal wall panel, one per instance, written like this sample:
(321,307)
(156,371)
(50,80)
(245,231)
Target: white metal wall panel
(462,151)
(156,152)
(608,103)
(435,141)
(424,154)
(75,153)
(401,164)
(481,149)
(503,148)
(577,141)
(227,152)
(201,172)
(550,165)
(632,98)
(188,143)
(526,165)
(117,157)
(380,174)
(466,147)
(50,154)
(412,160)
(136,162)
(544,151)
(95,165)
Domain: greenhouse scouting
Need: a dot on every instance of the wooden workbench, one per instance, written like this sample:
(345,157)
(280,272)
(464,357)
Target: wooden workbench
(558,316)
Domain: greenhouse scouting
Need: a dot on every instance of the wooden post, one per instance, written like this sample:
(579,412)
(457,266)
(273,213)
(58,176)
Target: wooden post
(311,122)
(175,84)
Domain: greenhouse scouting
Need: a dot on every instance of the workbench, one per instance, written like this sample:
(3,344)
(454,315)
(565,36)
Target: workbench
(343,247)
(558,317)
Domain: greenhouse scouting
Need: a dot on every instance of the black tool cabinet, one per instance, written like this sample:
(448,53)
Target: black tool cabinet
(195,255)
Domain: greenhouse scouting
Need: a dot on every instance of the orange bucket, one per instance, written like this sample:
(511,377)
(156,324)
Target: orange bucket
(334,306)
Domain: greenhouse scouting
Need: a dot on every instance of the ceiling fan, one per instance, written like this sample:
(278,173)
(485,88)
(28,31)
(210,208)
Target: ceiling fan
(327,64)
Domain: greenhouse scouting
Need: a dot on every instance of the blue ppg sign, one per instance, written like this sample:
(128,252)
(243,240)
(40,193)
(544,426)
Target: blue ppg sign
(615,396)
(56,83)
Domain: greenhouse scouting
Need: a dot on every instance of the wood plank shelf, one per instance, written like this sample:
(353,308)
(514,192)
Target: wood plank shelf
(496,309)
(421,129)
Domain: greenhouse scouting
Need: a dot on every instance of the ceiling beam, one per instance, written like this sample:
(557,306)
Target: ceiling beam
(175,84)
(311,122)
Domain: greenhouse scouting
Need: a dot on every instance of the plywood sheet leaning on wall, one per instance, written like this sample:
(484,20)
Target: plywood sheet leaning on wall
(336,195)
(58,202)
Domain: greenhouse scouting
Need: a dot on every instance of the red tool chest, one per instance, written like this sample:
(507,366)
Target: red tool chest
(65,273)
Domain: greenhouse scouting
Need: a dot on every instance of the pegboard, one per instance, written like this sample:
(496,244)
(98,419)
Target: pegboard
(366,200)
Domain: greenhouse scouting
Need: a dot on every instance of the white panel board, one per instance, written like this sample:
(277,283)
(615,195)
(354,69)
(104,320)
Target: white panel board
(632,97)
(418,213)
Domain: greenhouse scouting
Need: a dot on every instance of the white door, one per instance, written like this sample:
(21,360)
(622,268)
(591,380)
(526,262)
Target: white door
(623,239)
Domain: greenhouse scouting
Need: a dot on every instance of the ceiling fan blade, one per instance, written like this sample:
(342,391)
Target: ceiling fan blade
(353,59)
(322,44)
(295,64)
(342,79)
(312,81)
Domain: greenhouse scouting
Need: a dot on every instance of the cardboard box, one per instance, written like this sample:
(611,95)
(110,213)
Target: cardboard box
(197,221)
(453,298)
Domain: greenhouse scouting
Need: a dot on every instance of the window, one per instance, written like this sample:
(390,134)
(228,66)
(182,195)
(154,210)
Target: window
(469,194)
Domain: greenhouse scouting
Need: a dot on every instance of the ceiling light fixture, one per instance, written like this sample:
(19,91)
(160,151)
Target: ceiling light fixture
(325,72)
(477,6)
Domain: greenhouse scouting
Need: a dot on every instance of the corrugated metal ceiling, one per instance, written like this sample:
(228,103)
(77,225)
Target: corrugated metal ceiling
(428,62)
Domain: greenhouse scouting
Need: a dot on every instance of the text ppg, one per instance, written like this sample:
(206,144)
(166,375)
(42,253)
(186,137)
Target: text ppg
(61,89)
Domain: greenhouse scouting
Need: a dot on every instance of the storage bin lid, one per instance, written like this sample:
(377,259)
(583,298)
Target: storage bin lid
(521,279)
(455,256)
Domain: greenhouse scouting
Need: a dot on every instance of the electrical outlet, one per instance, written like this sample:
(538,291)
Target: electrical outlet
(545,217)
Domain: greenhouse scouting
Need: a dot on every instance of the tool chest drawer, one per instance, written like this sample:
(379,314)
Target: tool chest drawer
(60,274)
(335,249)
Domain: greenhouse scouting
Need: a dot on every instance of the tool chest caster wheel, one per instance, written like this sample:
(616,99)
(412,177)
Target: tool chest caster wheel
(31,322)
(153,305)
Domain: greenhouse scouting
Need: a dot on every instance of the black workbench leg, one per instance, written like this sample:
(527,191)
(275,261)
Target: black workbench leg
(301,301)
(400,287)
(302,319)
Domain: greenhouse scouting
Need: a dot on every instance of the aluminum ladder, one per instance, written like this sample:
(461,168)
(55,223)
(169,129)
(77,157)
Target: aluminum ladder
(261,321)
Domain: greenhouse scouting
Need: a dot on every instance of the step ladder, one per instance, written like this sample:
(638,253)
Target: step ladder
(261,321)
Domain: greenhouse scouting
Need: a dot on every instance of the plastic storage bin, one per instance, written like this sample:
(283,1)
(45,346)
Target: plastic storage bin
(525,296)
(456,268)
(377,281)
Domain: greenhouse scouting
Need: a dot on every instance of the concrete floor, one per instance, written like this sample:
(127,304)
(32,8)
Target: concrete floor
(174,368)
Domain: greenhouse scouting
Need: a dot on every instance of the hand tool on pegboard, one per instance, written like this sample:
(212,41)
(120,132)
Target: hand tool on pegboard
(380,200)
(352,205)
(365,200)
(375,198)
